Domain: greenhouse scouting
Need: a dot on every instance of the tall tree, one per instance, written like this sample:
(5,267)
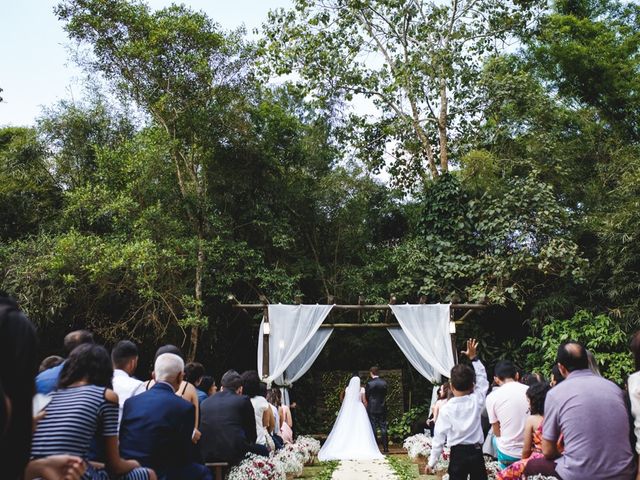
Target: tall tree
(182,71)
(416,61)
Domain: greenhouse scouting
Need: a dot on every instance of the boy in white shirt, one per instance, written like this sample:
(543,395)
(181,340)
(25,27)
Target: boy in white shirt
(458,422)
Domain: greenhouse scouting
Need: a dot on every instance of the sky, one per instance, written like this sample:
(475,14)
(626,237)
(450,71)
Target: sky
(37,70)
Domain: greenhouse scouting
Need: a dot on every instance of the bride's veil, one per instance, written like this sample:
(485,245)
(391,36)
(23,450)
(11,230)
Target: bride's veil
(353,390)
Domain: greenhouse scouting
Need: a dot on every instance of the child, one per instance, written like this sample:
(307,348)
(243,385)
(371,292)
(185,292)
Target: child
(536,394)
(458,422)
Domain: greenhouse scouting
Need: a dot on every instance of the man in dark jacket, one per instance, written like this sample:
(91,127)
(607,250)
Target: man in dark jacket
(376,393)
(228,424)
(157,426)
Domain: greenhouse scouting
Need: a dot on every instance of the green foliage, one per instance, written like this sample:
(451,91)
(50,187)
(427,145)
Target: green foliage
(327,470)
(400,427)
(599,333)
(403,468)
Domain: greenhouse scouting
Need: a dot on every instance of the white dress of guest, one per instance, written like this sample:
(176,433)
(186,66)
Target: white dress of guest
(260,404)
(126,387)
(351,437)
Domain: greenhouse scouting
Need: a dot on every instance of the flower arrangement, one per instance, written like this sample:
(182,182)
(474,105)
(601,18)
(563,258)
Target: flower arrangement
(418,446)
(255,467)
(289,460)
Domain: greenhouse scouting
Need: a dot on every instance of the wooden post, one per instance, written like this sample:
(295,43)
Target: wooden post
(452,326)
(265,338)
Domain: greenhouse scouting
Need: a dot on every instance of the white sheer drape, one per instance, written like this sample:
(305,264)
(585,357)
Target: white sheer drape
(423,367)
(294,340)
(427,330)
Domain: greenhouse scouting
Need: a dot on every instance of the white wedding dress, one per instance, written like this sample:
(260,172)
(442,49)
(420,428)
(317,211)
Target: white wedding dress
(351,437)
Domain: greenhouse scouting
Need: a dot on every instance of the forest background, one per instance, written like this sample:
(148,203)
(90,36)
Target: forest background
(471,150)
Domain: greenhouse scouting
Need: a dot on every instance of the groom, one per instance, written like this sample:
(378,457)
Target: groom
(376,392)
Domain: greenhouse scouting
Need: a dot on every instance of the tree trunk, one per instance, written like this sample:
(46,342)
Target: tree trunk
(195,329)
(442,126)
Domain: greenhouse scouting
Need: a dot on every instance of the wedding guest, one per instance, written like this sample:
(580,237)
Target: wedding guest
(507,409)
(633,383)
(206,388)
(458,423)
(186,389)
(556,376)
(286,423)
(536,394)
(530,379)
(591,415)
(157,425)
(193,374)
(228,424)
(82,406)
(444,393)
(265,421)
(274,399)
(124,357)
(47,380)
(50,362)
(593,363)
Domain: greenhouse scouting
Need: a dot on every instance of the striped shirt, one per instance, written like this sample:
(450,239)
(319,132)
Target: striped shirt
(73,417)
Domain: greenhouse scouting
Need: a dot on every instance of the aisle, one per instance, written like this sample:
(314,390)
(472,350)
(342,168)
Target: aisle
(363,470)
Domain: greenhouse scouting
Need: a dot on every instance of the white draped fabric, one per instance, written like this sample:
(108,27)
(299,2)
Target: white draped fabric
(426,328)
(294,340)
(423,367)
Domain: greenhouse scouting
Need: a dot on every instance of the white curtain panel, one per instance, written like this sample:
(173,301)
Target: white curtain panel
(292,328)
(419,363)
(427,329)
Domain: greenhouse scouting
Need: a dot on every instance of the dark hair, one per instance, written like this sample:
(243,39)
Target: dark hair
(505,369)
(462,377)
(532,378)
(168,349)
(122,353)
(635,349)
(446,391)
(537,393)
(231,380)
(75,339)
(193,371)
(572,356)
(556,374)
(50,362)
(250,383)
(374,370)
(18,367)
(274,397)
(87,361)
(206,383)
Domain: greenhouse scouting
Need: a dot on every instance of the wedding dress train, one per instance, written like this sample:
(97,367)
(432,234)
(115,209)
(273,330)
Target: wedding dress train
(351,437)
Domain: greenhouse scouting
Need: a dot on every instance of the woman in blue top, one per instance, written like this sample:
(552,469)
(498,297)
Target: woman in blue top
(82,407)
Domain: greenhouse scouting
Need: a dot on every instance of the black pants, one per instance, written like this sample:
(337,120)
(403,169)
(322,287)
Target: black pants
(467,460)
(379,420)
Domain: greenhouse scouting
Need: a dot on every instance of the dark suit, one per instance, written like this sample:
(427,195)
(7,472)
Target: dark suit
(228,427)
(375,392)
(156,430)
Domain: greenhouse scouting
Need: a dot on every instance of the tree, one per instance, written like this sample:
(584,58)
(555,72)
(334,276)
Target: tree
(415,60)
(183,72)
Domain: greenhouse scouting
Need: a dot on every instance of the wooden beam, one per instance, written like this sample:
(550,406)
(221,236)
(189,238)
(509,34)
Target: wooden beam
(456,306)
(360,325)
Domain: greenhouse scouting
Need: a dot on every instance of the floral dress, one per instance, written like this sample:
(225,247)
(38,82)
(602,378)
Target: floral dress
(516,470)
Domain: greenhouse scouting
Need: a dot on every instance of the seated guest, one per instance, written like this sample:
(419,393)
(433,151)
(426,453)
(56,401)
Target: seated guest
(556,376)
(531,379)
(124,357)
(82,406)
(157,425)
(536,394)
(265,421)
(50,362)
(47,380)
(228,424)
(206,388)
(507,409)
(186,390)
(193,374)
(591,415)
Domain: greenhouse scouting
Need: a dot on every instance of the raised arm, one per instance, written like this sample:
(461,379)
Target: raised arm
(482,384)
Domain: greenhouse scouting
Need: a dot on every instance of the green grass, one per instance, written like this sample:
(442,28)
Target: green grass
(320,471)
(403,468)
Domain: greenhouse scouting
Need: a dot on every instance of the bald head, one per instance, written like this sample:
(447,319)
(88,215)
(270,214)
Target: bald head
(76,338)
(169,368)
(572,356)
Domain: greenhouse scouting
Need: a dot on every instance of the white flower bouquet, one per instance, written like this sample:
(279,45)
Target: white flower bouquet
(255,467)
(289,460)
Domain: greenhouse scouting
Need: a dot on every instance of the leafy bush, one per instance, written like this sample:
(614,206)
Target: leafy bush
(400,428)
(599,333)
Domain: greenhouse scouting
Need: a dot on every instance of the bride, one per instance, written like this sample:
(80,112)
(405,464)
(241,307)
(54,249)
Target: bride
(351,437)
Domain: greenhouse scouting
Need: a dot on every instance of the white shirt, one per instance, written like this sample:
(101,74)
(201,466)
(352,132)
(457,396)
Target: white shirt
(509,406)
(458,422)
(260,404)
(124,386)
